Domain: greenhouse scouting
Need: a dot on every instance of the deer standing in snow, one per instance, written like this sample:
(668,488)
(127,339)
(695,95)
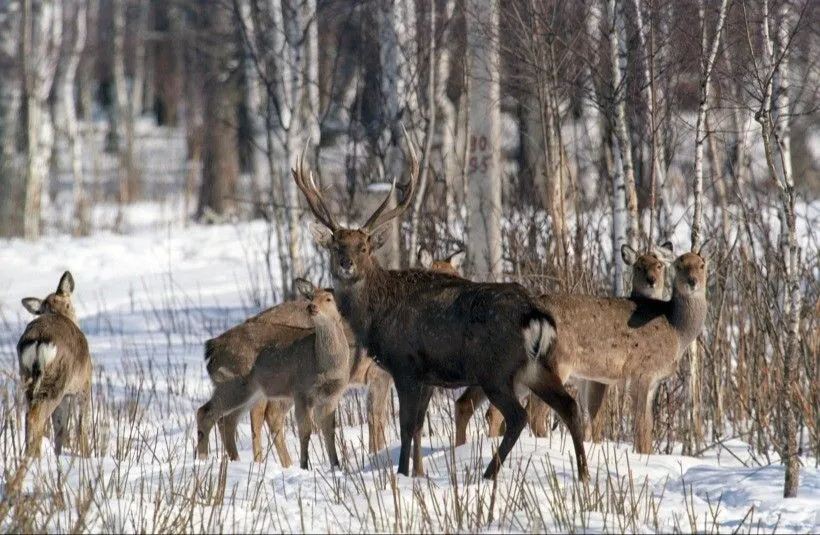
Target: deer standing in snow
(640,340)
(648,280)
(310,367)
(55,366)
(432,329)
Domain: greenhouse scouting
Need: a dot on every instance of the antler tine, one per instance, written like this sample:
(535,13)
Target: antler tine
(305,183)
(378,218)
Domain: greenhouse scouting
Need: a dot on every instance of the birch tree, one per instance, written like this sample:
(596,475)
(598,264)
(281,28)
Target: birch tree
(484,186)
(624,201)
(75,41)
(709,50)
(398,57)
(774,118)
(40,50)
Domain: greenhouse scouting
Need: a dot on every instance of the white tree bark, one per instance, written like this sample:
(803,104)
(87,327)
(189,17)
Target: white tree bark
(398,56)
(484,188)
(620,152)
(774,118)
(707,62)
(708,55)
(42,34)
(75,44)
(448,118)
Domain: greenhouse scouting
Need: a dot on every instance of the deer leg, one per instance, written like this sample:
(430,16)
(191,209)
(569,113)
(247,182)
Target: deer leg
(275,413)
(595,394)
(59,423)
(424,402)
(36,419)
(495,422)
(84,420)
(230,396)
(465,407)
(329,433)
(515,417)
(304,425)
(643,392)
(257,419)
(410,394)
(227,428)
(537,412)
(548,386)
(377,398)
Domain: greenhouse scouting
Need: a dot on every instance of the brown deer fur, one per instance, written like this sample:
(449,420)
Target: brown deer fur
(648,280)
(311,367)
(432,329)
(55,366)
(608,340)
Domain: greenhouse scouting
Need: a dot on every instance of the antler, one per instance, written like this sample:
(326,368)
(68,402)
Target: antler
(304,181)
(378,218)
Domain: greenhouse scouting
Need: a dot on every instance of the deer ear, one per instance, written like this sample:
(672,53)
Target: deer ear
(457,260)
(628,254)
(379,237)
(304,287)
(66,284)
(665,252)
(321,234)
(33,305)
(425,258)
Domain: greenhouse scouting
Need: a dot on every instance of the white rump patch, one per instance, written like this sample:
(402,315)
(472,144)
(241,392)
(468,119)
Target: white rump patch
(38,352)
(538,337)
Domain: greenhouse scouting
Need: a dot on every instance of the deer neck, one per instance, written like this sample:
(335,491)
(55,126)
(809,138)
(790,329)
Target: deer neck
(331,346)
(687,315)
(357,300)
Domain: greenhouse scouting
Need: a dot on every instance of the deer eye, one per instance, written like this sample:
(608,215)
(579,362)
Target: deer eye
(362,248)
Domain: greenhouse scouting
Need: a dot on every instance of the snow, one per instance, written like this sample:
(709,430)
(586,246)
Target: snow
(149,299)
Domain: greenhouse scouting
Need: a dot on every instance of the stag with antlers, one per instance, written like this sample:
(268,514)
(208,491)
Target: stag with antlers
(432,329)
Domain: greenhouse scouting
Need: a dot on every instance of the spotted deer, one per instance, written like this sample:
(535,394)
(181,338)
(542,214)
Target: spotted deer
(434,329)
(648,280)
(635,339)
(55,367)
(311,367)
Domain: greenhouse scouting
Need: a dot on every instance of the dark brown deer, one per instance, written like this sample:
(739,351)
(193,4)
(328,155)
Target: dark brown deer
(55,367)
(640,340)
(648,280)
(432,329)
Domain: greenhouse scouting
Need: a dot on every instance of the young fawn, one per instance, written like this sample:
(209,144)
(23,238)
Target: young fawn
(609,340)
(648,280)
(55,366)
(310,367)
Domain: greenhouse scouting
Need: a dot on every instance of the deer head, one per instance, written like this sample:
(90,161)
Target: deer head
(351,250)
(322,304)
(649,267)
(58,302)
(450,265)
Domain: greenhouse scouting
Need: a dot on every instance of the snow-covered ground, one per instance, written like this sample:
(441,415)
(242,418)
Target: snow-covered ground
(147,301)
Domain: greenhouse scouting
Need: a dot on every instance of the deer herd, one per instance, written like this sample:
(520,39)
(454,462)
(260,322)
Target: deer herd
(414,329)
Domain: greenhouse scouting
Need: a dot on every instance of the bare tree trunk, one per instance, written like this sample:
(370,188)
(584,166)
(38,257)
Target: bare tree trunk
(40,57)
(708,55)
(220,162)
(432,82)
(620,151)
(11,184)
(398,55)
(774,118)
(448,122)
(484,190)
(81,218)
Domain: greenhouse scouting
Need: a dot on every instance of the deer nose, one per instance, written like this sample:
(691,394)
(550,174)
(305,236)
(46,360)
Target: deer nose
(312,309)
(345,263)
(693,282)
(651,280)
